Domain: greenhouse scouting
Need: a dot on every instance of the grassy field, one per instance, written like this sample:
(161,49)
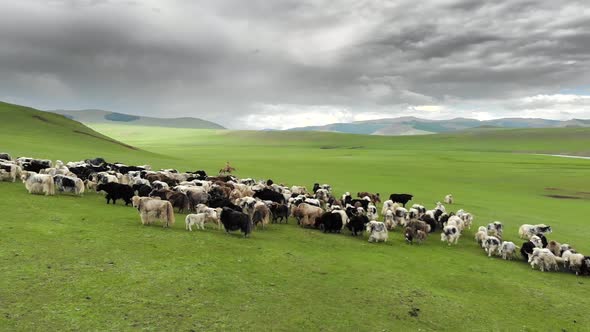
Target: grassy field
(72,263)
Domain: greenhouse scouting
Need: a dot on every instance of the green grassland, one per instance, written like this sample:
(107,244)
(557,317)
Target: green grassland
(71,263)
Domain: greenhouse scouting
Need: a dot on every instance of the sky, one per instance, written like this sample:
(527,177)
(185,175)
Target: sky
(278,64)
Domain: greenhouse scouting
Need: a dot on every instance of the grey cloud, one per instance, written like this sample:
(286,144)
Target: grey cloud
(215,59)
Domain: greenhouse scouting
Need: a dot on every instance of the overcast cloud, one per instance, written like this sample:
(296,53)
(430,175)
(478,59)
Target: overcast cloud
(278,64)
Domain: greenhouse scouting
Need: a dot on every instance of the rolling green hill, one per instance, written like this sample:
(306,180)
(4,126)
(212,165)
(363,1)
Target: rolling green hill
(416,126)
(70,263)
(29,132)
(99,116)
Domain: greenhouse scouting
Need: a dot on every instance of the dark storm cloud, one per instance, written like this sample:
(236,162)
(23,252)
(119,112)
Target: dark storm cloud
(230,61)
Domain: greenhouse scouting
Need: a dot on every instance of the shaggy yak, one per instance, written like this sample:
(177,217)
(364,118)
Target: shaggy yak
(357,224)
(401,198)
(411,233)
(68,184)
(261,215)
(38,183)
(34,165)
(270,195)
(152,209)
(142,190)
(196,196)
(234,220)
(96,161)
(178,200)
(330,222)
(279,212)
(377,231)
(9,172)
(360,203)
(116,191)
(306,214)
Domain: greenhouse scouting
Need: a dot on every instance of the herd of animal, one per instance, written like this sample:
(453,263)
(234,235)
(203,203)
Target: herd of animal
(244,204)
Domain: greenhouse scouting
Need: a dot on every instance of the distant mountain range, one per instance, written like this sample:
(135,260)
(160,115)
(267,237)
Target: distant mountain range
(100,116)
(417,126)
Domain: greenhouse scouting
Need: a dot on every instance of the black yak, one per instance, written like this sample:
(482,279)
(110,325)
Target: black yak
(234,220)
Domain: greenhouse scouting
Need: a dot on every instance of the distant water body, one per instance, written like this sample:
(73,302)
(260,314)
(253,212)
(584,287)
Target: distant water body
(562,155)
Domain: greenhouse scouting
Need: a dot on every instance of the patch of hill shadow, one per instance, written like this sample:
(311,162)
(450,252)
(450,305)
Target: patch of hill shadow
(559,193)
(40,118)
(330,147)
(106,139)
(121,117)
(564,197)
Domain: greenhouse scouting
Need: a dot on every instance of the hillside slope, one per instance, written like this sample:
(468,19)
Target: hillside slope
(30,132)
(99,116)
(416,126)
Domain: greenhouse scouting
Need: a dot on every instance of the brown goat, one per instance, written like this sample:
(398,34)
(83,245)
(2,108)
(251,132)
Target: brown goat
(374,197)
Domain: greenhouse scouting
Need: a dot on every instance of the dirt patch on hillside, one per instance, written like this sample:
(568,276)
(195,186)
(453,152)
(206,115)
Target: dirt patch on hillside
(414,312)
(108,140)
(563,197)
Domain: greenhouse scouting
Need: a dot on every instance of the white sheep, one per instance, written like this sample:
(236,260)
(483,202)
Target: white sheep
(449,199)
(413,214)
(457,222)
(389,219)
(481,235)
(387,205)
(421,209)
(496,229)
(508,250)
(536,241)
(544,259)
(564,247)
(574,261)
(467,219)
(527,230)
(566,256)
(450,234)
(214,213)
(372,212)
(492,245)
(199,219)
(377,231)
(399,217)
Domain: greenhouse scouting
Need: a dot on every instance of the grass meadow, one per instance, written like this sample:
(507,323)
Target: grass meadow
(69,263)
